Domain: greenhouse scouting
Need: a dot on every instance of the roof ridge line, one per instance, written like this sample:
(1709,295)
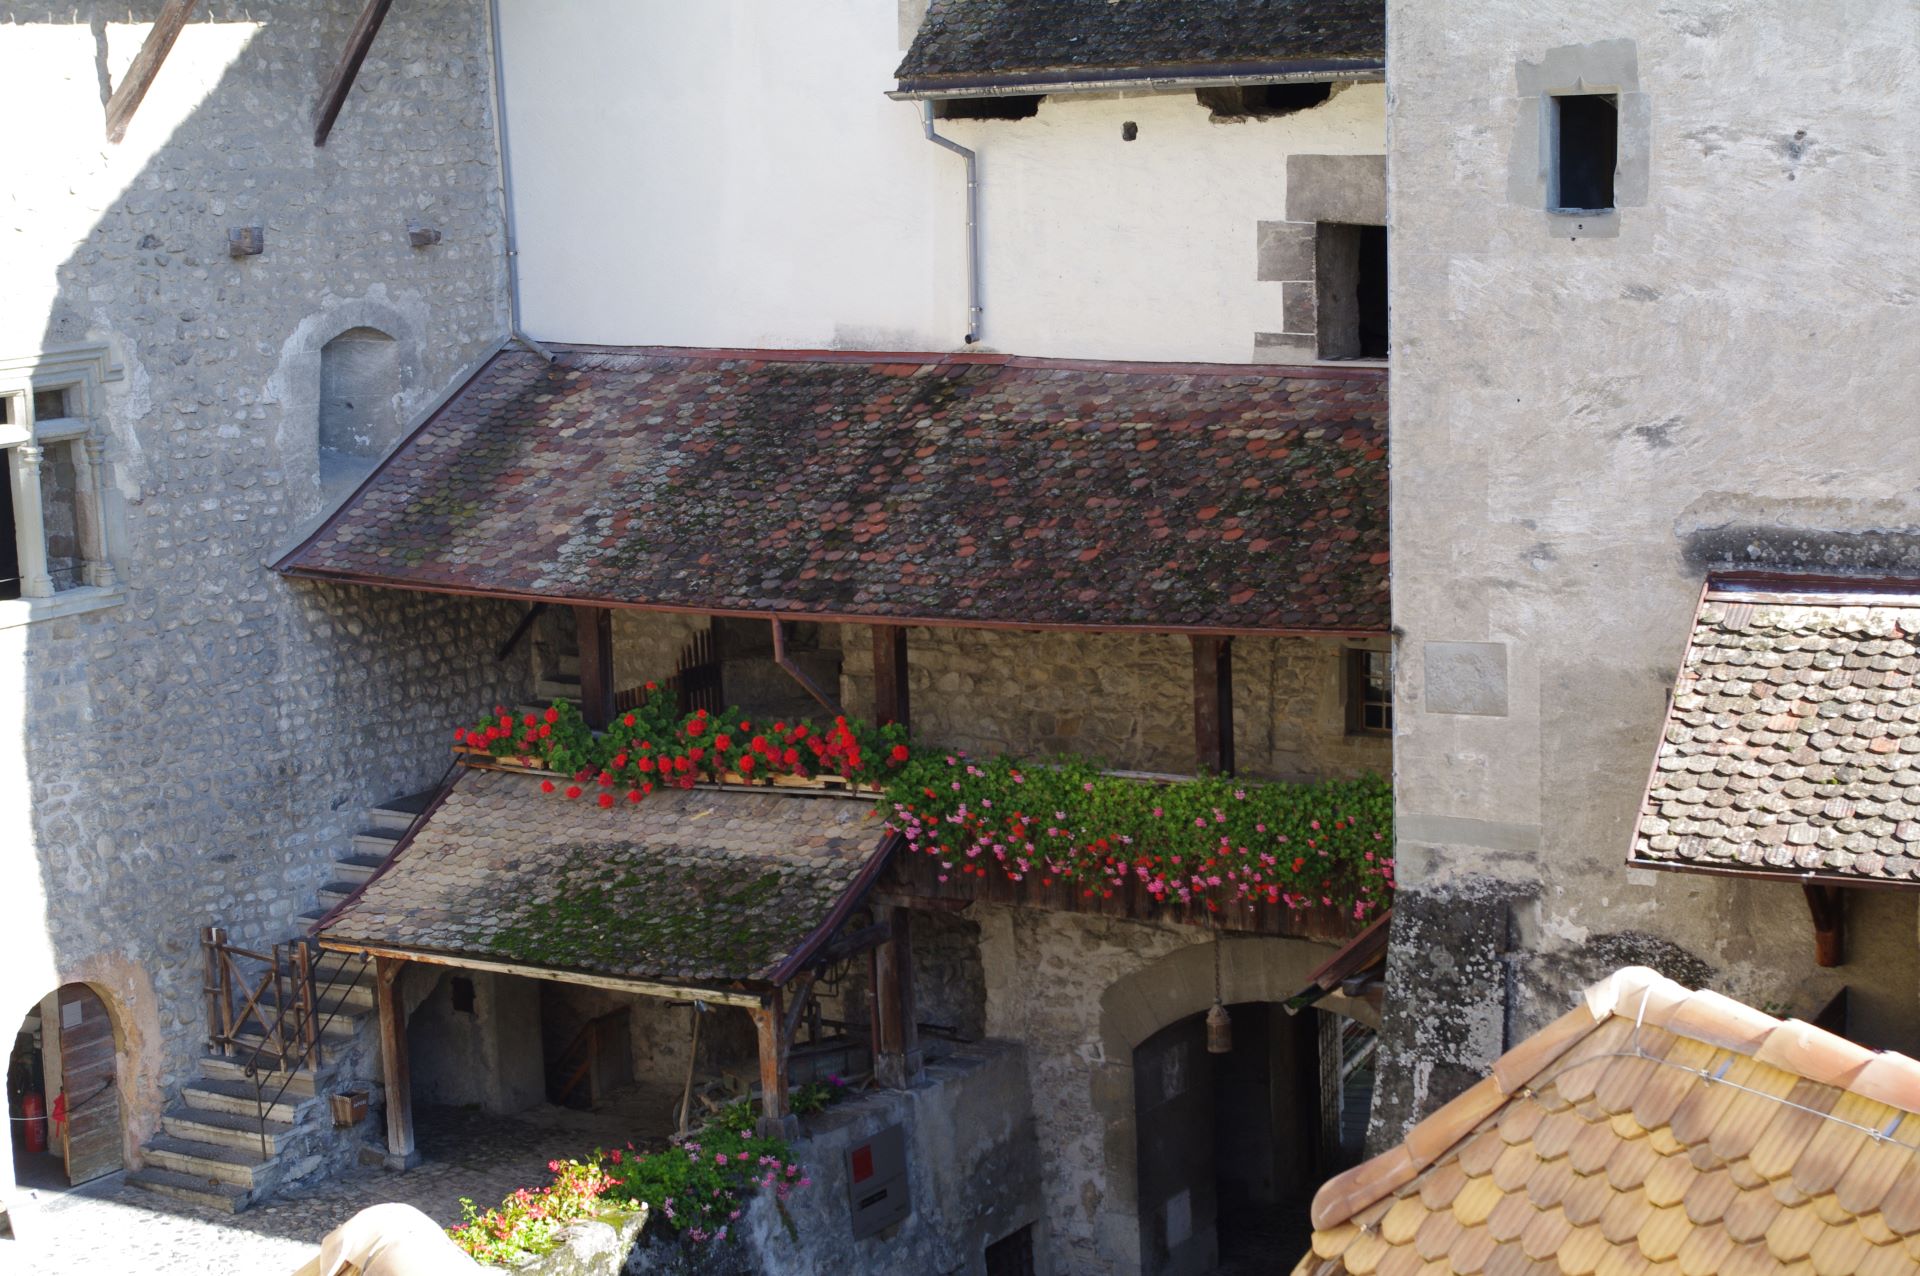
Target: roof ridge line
(1649,999)
(983,358)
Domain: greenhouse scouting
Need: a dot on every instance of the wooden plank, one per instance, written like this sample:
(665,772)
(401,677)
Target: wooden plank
(1213,704)
(132,89)
(897,1061)
(94,1144)
(595,625)
(768,1023)
(401,1152)
(359,40)
(645,987)
(890,675)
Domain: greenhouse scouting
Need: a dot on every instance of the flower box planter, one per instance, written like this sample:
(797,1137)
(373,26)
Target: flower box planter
(483,760)
(349,1107)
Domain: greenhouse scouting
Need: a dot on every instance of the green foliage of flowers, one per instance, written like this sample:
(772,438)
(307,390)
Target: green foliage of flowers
(528,1223)
(695,1189)
(655,745)
(1213,841)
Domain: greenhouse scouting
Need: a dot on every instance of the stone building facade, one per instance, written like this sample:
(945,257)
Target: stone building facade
(1591,413)
(194,742)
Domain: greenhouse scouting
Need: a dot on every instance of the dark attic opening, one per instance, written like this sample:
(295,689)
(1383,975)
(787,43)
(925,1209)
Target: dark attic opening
(1261,101)
(1021,106)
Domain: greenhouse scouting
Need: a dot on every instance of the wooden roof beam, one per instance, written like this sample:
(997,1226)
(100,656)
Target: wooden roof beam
(128,94)
(359,40)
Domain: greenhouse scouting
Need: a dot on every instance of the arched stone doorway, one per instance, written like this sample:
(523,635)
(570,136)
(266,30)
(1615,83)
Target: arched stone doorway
(1159,1095)
(64,1054)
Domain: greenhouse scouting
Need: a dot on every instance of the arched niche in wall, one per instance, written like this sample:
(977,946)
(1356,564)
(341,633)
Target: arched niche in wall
(359,406)
(348,385)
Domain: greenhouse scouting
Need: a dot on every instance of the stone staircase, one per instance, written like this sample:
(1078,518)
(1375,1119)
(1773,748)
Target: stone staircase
(231,1139)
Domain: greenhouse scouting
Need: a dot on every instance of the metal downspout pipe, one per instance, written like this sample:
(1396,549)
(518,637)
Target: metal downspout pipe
(504,155)
(973,217)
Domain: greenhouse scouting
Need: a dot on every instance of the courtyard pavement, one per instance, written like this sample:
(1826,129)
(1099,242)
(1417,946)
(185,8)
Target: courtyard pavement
(107,1226)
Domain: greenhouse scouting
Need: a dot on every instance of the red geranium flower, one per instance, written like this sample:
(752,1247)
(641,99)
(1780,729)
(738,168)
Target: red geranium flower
(606,800)
(900,753)
(573,790)
(546,786)
(553,715)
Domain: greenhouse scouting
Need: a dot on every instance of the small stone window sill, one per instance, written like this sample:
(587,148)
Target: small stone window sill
(15,612)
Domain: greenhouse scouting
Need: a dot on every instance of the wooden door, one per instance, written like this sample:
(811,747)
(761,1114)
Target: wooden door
(93,1143)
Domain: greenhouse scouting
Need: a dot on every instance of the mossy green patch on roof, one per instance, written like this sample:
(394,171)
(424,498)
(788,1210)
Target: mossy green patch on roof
(694,887)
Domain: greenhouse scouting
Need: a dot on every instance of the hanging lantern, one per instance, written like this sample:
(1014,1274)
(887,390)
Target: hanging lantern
(1219,1030)
(1219,1023)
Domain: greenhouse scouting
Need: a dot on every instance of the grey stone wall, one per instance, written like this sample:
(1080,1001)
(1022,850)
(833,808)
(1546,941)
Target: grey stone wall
(200,752)
(1124,698)
(1582,427)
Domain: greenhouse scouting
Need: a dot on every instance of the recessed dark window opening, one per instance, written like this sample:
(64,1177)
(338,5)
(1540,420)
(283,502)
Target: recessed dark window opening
(1586,150)
(9,548)
(1351,291)
(1011,1255)
(462,990)
(1369,692)
(1261,101)
(1021,107)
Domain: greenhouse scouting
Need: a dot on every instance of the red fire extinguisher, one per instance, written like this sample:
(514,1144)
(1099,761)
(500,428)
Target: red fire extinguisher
(34,1109)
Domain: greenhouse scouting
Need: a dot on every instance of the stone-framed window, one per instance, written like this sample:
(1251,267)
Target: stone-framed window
(1582,138)
(54,552)
(1369,691)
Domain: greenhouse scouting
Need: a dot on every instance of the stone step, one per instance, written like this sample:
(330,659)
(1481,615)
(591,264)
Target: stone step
(394,816)
(377,844)
(333,894)
(340,970)
(550,689)
(236,1098)
(567,663)
(303,1085)
(230,1129)
(242,1167)
(222,1198)
(339,1012)
(357,868)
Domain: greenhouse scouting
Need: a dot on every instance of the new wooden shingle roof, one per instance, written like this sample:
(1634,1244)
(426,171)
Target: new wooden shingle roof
(1651,1131)
(698,887)
(1793,741)
(943,489)
(1007,41)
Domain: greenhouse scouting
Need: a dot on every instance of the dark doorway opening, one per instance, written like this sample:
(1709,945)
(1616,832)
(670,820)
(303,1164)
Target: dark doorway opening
(1350,292)
(1232,1146)
(62,1102)
(9,546)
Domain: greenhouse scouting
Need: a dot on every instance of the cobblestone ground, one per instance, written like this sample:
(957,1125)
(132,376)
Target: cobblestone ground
(107,1227)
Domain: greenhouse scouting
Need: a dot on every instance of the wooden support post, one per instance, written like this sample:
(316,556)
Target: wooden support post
(1213,704)
(890,675)
(595,626)
(776,1118)
(1829,909)
(359,40)
(897,1061)
(401,1153)
(134,84)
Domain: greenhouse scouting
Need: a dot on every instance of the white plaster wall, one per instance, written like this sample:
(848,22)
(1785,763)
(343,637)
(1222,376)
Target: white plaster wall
(731,173)
(1573,419)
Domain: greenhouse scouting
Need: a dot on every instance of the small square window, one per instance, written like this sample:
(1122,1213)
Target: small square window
(462,991)
(1586,150)
(52,405)
(1369,692)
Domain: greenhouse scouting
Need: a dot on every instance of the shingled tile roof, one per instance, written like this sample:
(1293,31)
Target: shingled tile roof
(1003,41)
(937,489)
(1793,741)
(1652,1130)
(694,887)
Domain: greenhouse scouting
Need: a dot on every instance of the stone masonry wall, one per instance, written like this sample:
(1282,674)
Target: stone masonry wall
(200,749)
(1591,414)
(1124,698)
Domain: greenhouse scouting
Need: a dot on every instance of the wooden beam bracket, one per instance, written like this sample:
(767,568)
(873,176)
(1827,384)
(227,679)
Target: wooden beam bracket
(1213,704)
(402,1154)
(340,83)
(1829,908)
(132,89)
(890,676)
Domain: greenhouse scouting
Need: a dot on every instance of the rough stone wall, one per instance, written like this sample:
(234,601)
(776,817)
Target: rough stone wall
(1124,698)
(201,749)
(1080,993)
(1582,427)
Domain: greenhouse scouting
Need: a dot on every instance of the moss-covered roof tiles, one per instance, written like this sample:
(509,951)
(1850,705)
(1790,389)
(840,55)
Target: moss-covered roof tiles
(695,887)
